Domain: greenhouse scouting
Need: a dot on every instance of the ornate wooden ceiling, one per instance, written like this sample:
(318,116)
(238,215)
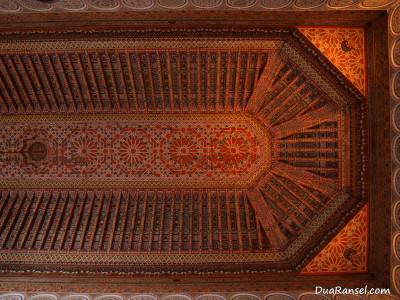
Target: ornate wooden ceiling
(180,149)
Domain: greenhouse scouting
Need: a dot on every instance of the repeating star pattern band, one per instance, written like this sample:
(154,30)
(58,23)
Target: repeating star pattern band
(228,150)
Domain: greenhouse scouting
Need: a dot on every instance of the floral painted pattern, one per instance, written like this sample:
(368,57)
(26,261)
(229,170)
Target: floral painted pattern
(131,150)
(347,252)
(82,151)
(197,150)
(184,150)
(345,48)
(235,150)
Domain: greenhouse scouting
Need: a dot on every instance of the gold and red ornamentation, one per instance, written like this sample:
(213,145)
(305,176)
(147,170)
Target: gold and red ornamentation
(347,252)
(235,150)
(264,132)
(345,48)
(132,150)
(184,151)
(199,150)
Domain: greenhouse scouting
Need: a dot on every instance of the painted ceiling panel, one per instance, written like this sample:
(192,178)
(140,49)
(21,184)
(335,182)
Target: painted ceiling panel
(147,151)
(345,48)
(229,149)
(348,250)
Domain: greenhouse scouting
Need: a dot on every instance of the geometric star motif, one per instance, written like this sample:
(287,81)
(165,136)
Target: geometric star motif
(347,252)
(345,48)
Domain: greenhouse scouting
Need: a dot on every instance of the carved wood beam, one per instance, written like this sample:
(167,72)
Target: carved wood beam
(298,175)
(264,215)
(299,123)
(264,83)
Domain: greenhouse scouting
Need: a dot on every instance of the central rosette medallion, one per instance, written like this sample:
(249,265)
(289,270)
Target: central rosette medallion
(146,150)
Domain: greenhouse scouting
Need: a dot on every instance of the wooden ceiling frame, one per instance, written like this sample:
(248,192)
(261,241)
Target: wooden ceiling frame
(378,118)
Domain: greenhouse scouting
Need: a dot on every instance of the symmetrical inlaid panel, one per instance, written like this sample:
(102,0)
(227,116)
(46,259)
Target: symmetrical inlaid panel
(135,151)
